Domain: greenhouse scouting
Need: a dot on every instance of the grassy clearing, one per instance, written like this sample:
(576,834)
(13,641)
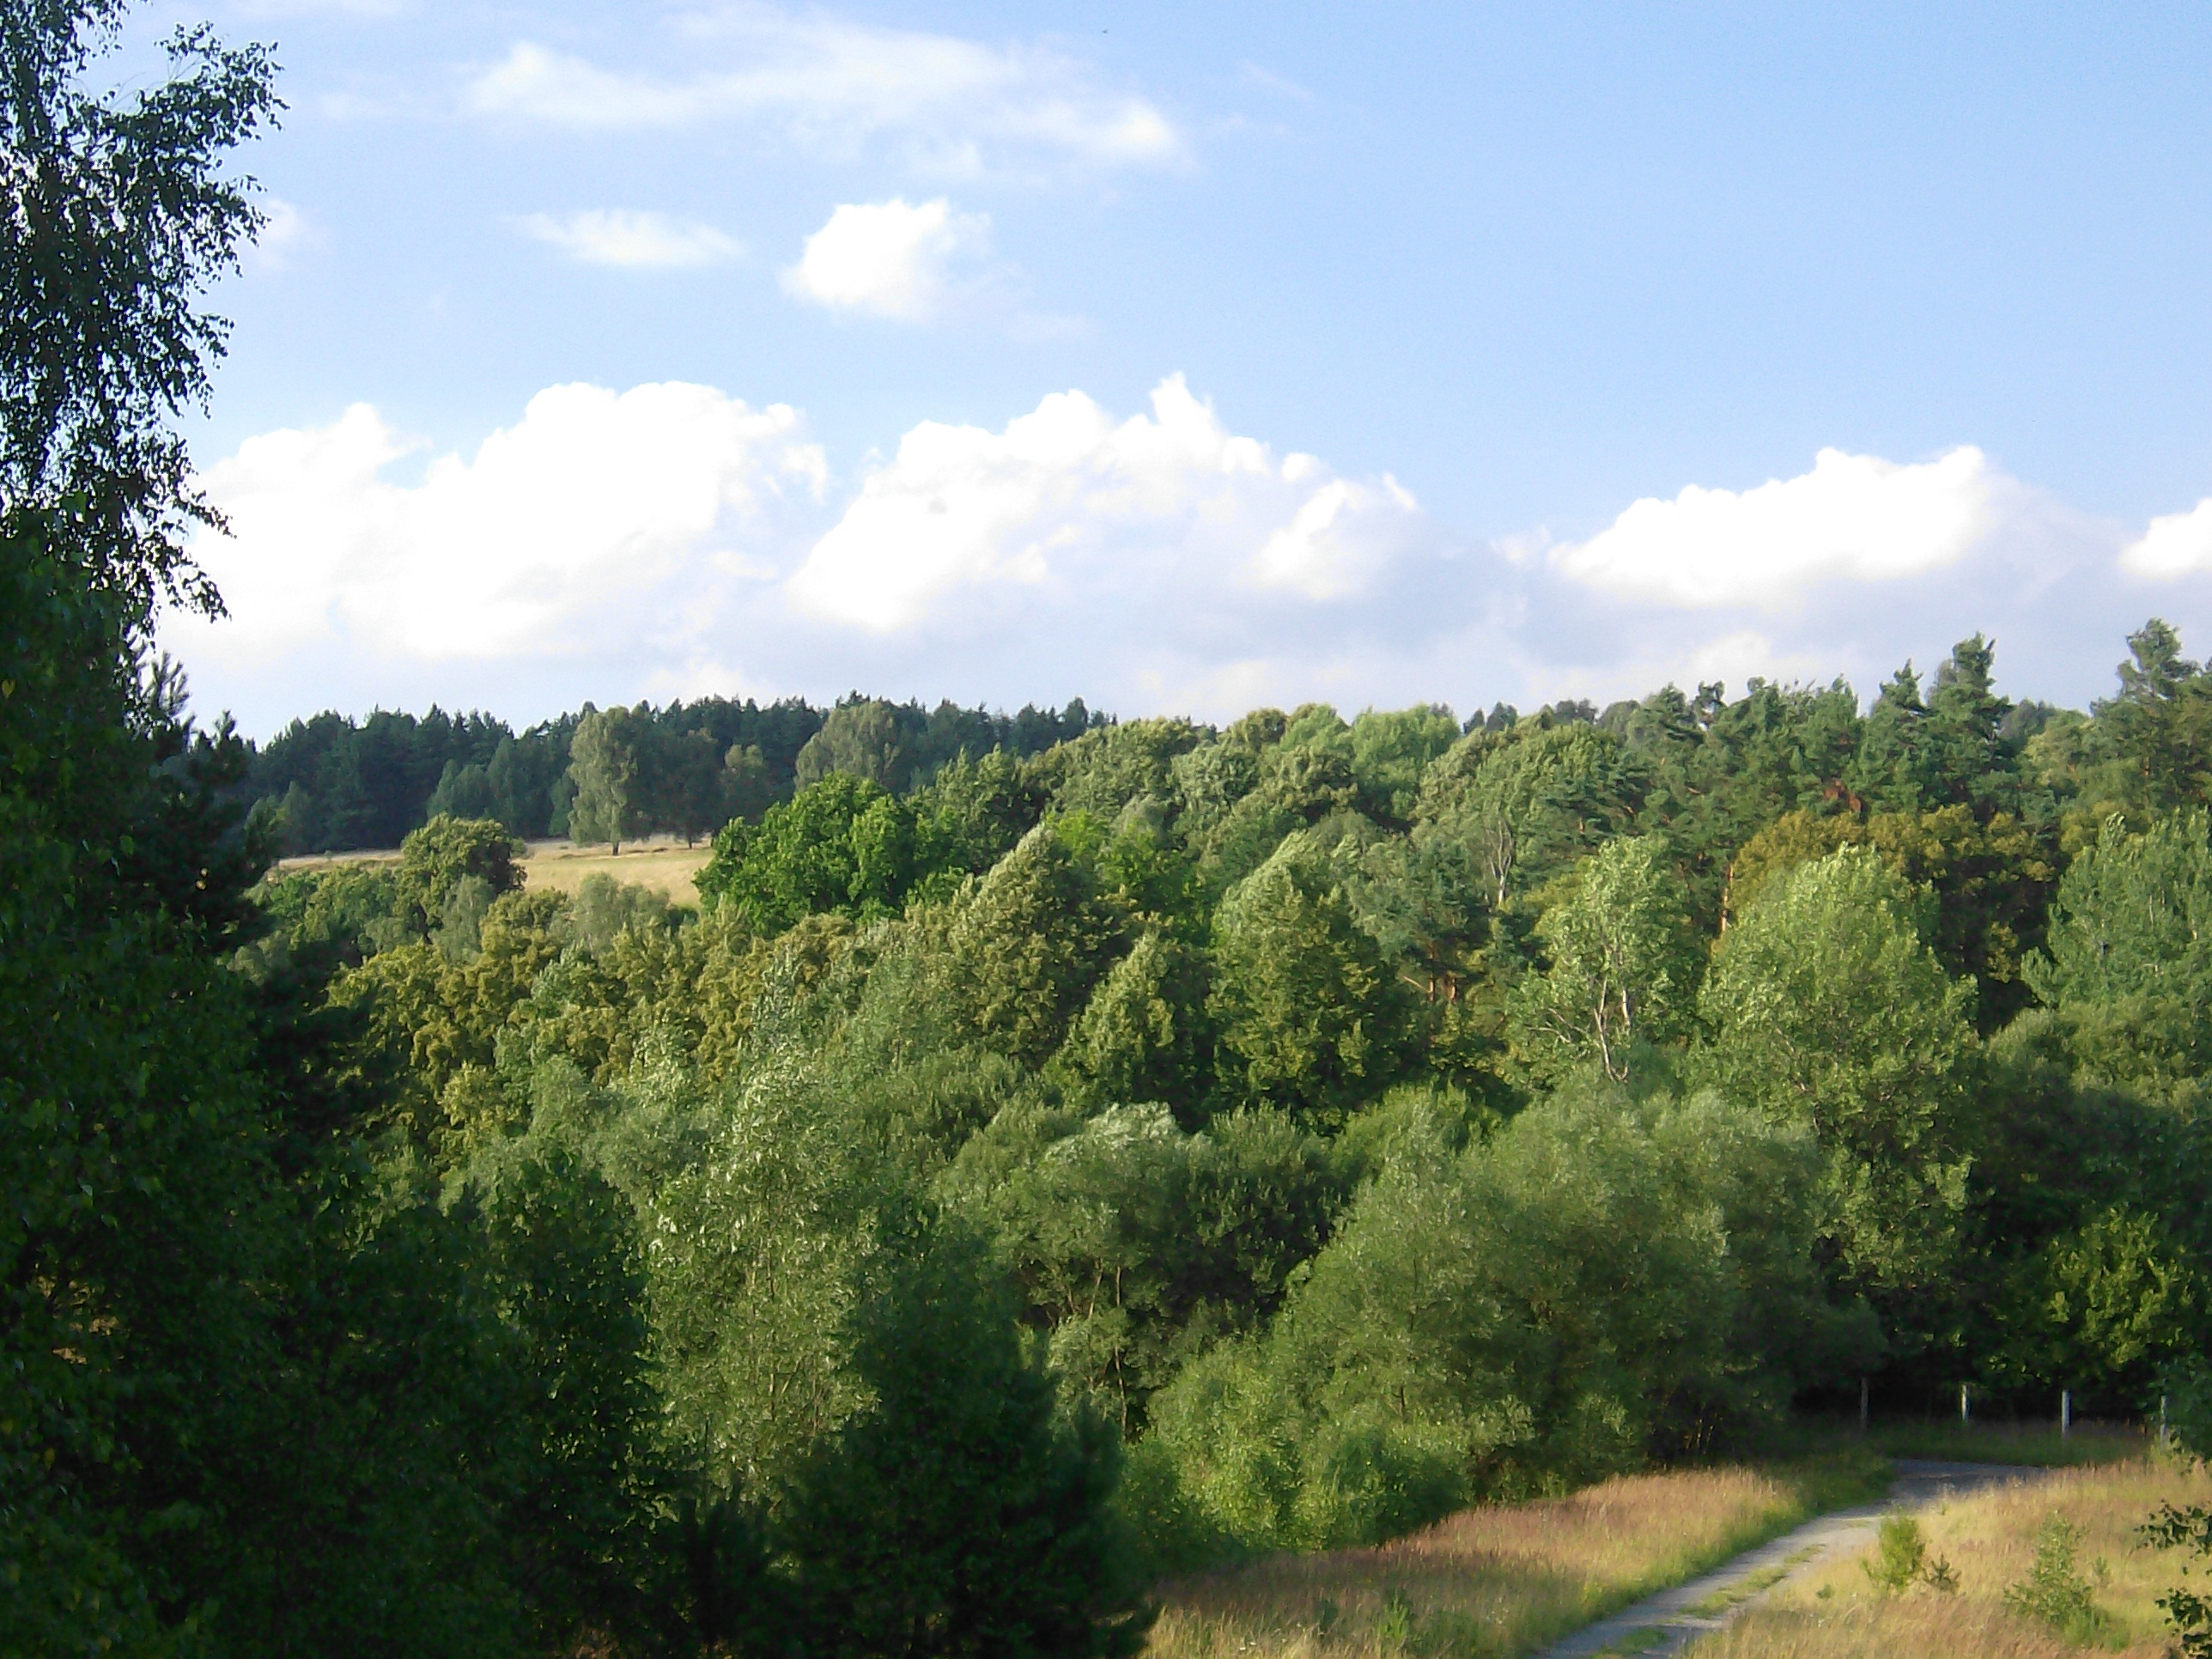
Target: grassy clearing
(1503,1579)
(663,862)
(1990,1541)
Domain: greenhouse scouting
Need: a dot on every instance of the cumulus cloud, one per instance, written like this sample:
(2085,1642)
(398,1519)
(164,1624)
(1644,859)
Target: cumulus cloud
(1079,508)
(592,515)
(836,87)
(674,540)
(887,258)
(2176,544)
(633,240)
(1858,518)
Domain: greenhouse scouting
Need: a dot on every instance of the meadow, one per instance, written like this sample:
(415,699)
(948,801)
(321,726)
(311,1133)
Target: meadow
(1503,1579)
(660,862)
(1836,1611)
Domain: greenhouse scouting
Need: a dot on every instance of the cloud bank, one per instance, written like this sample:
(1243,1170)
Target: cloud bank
(674,540)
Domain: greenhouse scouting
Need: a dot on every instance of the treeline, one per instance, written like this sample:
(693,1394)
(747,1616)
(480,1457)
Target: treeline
(331,784)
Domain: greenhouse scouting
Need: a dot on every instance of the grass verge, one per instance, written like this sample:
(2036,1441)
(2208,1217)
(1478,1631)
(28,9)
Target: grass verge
(1504,1579)
(2034,1443)
(1990,1541)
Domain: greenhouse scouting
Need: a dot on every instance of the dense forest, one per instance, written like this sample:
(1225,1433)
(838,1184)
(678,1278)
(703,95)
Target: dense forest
(333,784)
(1056,1152)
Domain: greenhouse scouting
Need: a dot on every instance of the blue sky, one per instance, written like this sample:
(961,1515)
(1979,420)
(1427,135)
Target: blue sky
(1186,357)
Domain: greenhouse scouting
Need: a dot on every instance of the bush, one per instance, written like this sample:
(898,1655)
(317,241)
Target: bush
(1900,1554)
(2054,1592)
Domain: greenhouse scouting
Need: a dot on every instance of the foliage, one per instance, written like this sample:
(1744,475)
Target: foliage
(446,852)
(841,845)
(2126,964)
(960,1511)
(1309,1019)
(2190,1613)
(2054,1592)
(1622,963)
(1899,1558)
(119,215)
(605,761)
(1138,1245)
(1826,1007)
(1537,1308)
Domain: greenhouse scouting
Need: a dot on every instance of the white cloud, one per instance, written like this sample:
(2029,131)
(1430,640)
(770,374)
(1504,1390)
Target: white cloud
(573,522)
(1854,518)
(1172,511)
(286,233)
(886,258)
(2176,544)
(830,86)
(633,240)
(673,540)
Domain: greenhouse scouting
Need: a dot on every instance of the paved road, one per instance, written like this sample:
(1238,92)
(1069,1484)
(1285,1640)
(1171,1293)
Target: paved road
(1917,1483)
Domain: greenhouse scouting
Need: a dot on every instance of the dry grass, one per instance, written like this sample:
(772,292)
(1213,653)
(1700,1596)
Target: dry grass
(1835,1612)
(1498,1581)
(663,862)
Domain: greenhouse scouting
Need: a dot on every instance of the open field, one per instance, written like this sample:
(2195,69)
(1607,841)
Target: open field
(1835,1612)
(1503,1579)
(663,862)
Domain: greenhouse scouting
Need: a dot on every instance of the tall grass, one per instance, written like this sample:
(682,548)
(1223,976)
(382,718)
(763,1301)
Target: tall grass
(1503,1579)
(1990,1540)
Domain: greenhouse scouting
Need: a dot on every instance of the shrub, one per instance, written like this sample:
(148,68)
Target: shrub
(2054,1592)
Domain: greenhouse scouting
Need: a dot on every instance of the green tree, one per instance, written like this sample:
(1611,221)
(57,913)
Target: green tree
(120,215)
(1991,880)
(1309,1016)
(436,859)
(841,845)
(1144,1034)
(1530,804)
(1140,1244)
(606,765)
(694,800)
(2127,961)
(1826,1007)
(1545,1306)
(961,1511)
(1103,770)
(860,739)
(746,790)
(1390,754)
(1023,951)
(1622,962)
